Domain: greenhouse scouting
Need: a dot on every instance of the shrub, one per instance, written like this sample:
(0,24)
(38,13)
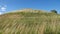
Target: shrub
(54,11)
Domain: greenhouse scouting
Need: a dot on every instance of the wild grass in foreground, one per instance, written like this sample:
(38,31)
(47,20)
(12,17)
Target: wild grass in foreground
(30,23)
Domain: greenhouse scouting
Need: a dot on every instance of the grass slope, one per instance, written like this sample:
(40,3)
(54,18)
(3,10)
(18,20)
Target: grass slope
(30,23)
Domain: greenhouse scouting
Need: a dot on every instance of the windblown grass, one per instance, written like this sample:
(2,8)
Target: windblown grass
(30,23)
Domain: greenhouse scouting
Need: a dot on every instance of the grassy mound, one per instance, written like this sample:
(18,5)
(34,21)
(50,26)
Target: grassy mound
(30,23)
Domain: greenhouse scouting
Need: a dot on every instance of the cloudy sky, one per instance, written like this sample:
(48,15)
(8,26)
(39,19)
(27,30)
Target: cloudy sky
(9,5)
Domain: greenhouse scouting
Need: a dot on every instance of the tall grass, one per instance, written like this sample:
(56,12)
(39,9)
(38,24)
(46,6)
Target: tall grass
(29,23)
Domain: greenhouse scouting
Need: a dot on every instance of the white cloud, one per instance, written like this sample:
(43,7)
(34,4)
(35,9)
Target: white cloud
(3,8)
(0,13)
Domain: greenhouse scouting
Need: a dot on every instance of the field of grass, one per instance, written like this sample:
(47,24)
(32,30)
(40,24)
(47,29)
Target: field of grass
(30,23)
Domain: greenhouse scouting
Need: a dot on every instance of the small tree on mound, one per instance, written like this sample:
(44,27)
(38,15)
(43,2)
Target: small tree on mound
(54,11)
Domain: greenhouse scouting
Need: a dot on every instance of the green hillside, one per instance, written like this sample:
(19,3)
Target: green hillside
(30,22)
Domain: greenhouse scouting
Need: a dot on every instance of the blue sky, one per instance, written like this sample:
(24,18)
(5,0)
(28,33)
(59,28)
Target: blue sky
(34,4)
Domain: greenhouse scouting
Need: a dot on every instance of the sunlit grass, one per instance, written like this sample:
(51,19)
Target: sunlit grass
(30,23)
